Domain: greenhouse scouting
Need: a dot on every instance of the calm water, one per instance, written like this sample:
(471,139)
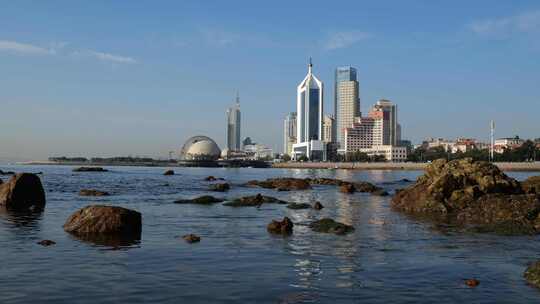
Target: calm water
(390,258)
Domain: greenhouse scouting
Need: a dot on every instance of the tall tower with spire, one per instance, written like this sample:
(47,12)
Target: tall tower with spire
(309,107)
(234,125)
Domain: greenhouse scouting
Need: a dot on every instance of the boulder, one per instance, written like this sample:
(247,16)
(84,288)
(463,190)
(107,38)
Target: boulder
(347,188)
(282,184)
(283,227)
(92,192)
(298,206)
(221,187)
(254,201)
(90,169)
(201,200)
(22,191)
(327,225)
(191,238)
(98,220)
(471,194)
(168,172)
(532,274)
(317,206)
(531,185)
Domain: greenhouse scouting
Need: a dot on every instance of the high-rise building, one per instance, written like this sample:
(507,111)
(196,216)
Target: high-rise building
(346,102)
(328,129)
(386,110)
(289,133)
(233,126)
(309,107)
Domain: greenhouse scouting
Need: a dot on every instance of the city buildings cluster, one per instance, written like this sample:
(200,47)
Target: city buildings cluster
(309,133)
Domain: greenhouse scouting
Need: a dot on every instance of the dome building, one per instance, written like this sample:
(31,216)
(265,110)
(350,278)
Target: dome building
(200,148)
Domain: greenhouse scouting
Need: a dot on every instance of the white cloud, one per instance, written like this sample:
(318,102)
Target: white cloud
(339,40)
(504,27)
(106,57)
(23,48)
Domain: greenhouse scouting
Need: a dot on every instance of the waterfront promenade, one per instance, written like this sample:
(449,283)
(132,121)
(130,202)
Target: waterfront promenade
(506,166)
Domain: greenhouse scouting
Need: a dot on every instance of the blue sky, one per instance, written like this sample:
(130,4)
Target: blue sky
(103,78)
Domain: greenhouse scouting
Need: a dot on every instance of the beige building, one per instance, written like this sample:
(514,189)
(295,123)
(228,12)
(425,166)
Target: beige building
(328,127)
(346,103)
(390,153)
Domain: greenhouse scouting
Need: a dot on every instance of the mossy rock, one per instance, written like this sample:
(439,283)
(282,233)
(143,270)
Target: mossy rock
(532,274)
(328,225)
(201,200)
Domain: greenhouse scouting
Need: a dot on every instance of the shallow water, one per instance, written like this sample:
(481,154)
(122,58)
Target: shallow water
(390,258)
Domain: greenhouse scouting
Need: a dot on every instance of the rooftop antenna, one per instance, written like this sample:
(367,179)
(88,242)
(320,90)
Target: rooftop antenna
(310,65)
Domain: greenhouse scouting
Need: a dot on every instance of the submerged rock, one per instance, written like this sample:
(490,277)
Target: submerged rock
(212,178)
(380,192)
(472,282)
(168,172)
(532,274)
(90,169)
(284,227)
(298,206)
(96,220)
(317,206)
(221,187)
(191,238)
(282,184)
(254,201)
(201,200)
(92,192)
(328,225)
(22,191)
(46,243)
(347,188)
(7,172)
(474,194)
(531,185)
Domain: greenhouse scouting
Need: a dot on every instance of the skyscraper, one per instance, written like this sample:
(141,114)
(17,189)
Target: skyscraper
(309,107)
(328,129)
(289,135)
(346,102)
(233,126)
(388,111)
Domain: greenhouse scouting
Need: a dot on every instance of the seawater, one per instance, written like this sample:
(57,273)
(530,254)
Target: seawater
(390,258)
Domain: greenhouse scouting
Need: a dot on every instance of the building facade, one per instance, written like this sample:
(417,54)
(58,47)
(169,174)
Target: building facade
(309,118)
(328,129)
(386,110)
(346,101)
(289,133)
(233,126)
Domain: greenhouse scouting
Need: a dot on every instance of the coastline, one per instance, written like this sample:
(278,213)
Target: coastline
(506,166)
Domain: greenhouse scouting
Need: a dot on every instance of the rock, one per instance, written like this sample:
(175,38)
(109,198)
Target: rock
(298,206)
(201,200)
(380,192)
(7,172)
(472,282)
(191,238)
(254,201)
(532,274)
(531,185)
(221,187)
(317,206)
(98,219)
(368,187)
(46,243)
(22,191)
(90,169)
(284,227)
(210,178)
(92,192)
(327,225)
(168,172)
(325,181)
(347,188)
(473,194)
(282,183)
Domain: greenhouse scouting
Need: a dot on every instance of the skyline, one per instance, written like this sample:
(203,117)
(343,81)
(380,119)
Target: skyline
(137,83)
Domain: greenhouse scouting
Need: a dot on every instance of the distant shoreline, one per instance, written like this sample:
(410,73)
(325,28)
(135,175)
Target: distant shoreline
(394,166)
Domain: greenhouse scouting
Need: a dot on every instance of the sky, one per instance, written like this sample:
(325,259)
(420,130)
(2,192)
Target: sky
(110,78)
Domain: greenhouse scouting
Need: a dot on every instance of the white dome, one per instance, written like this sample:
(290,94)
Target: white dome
(200,148)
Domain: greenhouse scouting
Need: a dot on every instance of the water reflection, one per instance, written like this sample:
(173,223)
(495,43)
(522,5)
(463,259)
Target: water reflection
(11,218)
(115,241)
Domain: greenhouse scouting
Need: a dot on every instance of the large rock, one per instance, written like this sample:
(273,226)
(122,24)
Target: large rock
(283,183)
(22,191)
(532,274)
(283,227)
(201,200)
(473,194)
(106,220)
(254,201)
(531,185)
